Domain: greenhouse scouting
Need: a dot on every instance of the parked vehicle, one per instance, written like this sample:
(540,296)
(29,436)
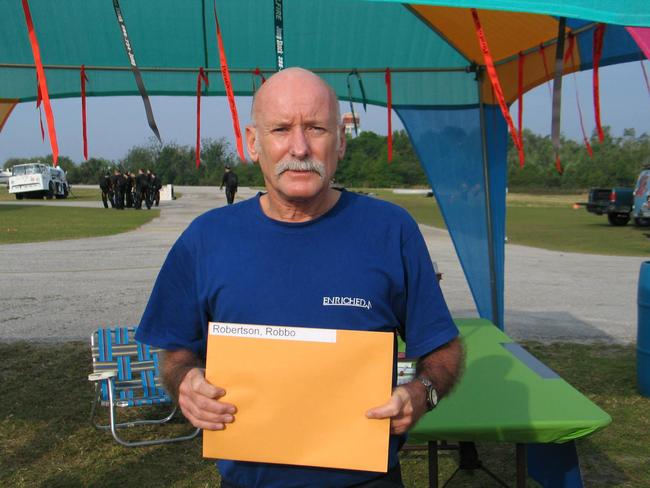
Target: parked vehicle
(641,210)
(4,176)
(37,180)
(615,202)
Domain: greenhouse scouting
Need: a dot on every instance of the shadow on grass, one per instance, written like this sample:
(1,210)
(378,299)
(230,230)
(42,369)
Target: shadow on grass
(609,472)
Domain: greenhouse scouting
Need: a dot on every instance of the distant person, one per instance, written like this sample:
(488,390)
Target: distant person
(142,190)
(229,180)
(128,189)
(107,191)
(156,185)
(119,184)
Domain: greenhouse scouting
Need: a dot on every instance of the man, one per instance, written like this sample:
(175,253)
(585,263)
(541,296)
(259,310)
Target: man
(156,185)
(119,183)
(107,192)
(230,181)
(128,189)
(279,258)
(142,189)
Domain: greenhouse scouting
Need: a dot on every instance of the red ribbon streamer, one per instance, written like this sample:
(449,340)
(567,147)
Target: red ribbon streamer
(599,34)
(520,95)
(494,78)
(201,77)
(389,107)
(645,76)
(39,99)
(569,56)
(558,165)
(547,73)
(42,82)
(225,73)
(256,73)
(84,79)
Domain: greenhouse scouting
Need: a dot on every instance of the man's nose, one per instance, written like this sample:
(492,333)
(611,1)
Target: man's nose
(299,145)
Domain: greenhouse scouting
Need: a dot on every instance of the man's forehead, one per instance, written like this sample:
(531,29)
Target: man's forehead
(294,93)
(291,106)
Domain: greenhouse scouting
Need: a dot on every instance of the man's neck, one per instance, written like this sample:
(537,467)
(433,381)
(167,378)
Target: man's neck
(284,210)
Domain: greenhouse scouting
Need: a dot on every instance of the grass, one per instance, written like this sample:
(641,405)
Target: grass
(546,221)
(46,439)
(77,194)
(28,223)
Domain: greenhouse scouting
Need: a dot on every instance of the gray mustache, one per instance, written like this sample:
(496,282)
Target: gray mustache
(297,165)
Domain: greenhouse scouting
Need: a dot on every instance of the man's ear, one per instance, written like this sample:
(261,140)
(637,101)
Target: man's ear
(251,136)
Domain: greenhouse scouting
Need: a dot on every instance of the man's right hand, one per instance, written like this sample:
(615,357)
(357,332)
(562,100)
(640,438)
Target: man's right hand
(184,379)
(199,402)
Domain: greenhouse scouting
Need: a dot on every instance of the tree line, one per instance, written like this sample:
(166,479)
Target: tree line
(615,162)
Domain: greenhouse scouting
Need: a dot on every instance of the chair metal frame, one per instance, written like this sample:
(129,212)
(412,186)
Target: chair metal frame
(112,368)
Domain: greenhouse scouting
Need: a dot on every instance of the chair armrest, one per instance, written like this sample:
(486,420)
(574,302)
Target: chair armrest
(103,375)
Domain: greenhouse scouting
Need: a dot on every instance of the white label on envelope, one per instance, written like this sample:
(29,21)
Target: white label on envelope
(272,332)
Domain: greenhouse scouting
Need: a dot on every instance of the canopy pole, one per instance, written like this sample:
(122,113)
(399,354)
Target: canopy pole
(496,318)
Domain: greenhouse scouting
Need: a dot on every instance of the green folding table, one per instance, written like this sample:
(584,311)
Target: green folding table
(506,395)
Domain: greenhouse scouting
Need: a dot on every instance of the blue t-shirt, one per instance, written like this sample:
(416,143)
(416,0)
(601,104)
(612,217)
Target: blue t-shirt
(235,264)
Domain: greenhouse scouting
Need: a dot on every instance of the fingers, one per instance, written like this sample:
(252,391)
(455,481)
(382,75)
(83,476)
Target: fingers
(388,410)
(199,402)
(399,409)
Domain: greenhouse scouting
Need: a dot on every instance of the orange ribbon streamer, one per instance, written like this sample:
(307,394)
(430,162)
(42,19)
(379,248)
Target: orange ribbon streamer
(225,73)
(494,78)
(389,107)
(201,77)
(42,82)
(84,79)
(599,34)
(39,100)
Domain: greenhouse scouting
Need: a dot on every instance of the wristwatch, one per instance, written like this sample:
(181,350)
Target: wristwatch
(432,394)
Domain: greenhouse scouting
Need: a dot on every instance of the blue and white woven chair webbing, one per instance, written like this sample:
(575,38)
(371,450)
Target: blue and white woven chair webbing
(103,354)
(159,391)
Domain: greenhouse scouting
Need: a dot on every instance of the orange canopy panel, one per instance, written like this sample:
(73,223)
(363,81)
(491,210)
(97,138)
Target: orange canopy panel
(508,33)
(6,106)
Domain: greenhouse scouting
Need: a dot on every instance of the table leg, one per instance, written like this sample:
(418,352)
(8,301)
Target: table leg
(433,464)
(521,466)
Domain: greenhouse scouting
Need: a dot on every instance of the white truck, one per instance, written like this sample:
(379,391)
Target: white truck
(37,180)
(4,176)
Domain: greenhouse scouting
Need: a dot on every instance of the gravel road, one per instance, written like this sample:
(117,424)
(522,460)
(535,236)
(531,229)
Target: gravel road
(63,290)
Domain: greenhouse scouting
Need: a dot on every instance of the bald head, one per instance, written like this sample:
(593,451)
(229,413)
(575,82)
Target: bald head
(289,82)
(296,137)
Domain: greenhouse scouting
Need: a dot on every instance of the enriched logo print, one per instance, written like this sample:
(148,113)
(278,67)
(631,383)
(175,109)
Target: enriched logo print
(347,302)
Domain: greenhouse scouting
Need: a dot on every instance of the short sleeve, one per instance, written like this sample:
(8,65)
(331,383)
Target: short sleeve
(173,318)
(428,323)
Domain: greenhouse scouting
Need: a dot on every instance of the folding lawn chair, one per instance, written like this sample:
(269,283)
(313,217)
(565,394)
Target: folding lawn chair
(126,374)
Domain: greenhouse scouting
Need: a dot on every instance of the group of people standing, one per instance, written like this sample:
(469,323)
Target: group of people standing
(126,190)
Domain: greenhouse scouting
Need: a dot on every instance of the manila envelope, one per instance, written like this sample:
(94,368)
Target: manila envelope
(301,395)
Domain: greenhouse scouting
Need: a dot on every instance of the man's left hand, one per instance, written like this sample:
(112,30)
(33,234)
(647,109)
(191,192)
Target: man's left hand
(405,407)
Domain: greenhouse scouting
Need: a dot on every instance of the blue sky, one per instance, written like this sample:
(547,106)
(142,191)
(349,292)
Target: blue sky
(116,124)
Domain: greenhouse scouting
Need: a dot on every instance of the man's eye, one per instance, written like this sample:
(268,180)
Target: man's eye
(317,129)
(280,129)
